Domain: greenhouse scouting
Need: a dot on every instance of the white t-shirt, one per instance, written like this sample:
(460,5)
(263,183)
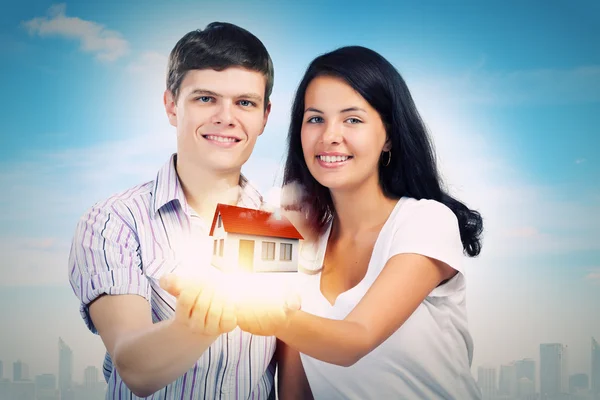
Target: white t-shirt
(430,356)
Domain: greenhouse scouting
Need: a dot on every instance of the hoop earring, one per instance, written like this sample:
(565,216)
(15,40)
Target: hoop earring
(389,158)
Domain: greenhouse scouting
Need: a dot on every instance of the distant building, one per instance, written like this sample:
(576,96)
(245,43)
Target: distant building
(526,389)
(90,377)
(525,368)
(507,383)
(23,390)
(45,381)
(578,383)
(65,370)
(595,371)
(46,388)
(553,371)
(20,371)
(486,380)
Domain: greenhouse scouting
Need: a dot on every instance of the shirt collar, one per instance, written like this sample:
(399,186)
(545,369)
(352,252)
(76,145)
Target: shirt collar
(167,188)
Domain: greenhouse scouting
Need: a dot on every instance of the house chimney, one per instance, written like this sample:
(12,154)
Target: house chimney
(277,214)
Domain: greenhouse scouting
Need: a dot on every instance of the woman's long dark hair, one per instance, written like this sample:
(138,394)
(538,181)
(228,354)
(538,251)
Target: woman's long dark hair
(412,169)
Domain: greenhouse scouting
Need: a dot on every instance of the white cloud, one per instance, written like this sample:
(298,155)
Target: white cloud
(150,61)
(580,161)
(593,276)
(106,44)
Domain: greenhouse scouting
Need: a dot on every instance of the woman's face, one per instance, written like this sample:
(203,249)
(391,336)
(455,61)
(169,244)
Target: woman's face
(342,135)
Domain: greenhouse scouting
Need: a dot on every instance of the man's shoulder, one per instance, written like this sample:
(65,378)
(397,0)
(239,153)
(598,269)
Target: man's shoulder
(134,196)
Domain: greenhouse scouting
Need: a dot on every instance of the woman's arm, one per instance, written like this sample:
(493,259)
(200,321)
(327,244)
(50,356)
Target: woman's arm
(292,383)
(405,281)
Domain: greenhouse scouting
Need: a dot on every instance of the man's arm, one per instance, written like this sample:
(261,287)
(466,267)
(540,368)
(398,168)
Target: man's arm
(106,274)
(147,356)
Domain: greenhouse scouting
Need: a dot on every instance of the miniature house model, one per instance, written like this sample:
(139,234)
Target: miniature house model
(253,240)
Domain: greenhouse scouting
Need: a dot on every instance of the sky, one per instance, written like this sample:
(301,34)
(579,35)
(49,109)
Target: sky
(510,92)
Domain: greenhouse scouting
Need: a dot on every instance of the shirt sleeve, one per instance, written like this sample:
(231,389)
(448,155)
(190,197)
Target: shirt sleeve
(105,259)
(431,229)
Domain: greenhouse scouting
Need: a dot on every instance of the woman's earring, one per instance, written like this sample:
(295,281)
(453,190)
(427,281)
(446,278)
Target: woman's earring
(389,158)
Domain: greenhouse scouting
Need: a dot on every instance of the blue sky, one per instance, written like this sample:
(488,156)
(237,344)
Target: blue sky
(510,91)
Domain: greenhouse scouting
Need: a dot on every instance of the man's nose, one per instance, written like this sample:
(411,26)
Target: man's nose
(223,114)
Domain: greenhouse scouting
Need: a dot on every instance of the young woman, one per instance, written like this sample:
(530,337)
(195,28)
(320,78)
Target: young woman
(383,312)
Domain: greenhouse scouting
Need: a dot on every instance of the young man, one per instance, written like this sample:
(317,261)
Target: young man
(160,346)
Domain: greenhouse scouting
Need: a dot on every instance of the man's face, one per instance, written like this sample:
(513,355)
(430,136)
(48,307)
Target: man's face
(218,116)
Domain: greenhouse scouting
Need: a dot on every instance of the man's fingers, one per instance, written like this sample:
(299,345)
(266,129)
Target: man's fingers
(253,319)
(228,318)
(172,284)
(200,309)
(241,318)
(213,316)
(185,304)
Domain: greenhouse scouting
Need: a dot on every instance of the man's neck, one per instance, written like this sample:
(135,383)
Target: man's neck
(203,188)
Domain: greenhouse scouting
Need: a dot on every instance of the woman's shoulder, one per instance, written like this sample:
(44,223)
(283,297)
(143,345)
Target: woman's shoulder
(424,212)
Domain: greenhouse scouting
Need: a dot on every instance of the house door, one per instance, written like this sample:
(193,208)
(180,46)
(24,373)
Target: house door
(246,257)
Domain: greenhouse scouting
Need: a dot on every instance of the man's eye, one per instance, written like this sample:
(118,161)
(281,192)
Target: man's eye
(246,103)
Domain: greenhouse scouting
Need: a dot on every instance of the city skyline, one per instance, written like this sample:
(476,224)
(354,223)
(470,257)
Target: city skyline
(550,377)
(541,375)
(51,386)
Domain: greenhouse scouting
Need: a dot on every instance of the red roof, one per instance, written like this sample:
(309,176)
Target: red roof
(248,221)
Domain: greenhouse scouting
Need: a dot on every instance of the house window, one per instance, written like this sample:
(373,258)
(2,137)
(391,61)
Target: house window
(268,250)
(215,248)
(285,252)
(219,221)
(221,245)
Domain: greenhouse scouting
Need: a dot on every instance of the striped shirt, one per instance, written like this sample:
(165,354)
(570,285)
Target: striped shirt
(125,244)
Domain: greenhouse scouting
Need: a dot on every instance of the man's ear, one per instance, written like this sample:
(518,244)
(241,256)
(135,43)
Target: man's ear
(170,107)
(266,117)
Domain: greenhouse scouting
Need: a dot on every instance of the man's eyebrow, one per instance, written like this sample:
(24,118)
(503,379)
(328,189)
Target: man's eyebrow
(204,92)
(251,96)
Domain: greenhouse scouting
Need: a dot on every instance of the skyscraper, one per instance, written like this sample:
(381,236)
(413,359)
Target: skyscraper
(90,377)
(20,371)
(486,379)
(595,370)
(45,382)
(525,368)
(65,369)
(507,385)
(553,370)
(578,383)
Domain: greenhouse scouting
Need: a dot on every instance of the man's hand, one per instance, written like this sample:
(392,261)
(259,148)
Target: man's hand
(266,315)
(201,306)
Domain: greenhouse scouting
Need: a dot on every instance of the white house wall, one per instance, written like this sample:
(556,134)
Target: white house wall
(261,265)
(225,261)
